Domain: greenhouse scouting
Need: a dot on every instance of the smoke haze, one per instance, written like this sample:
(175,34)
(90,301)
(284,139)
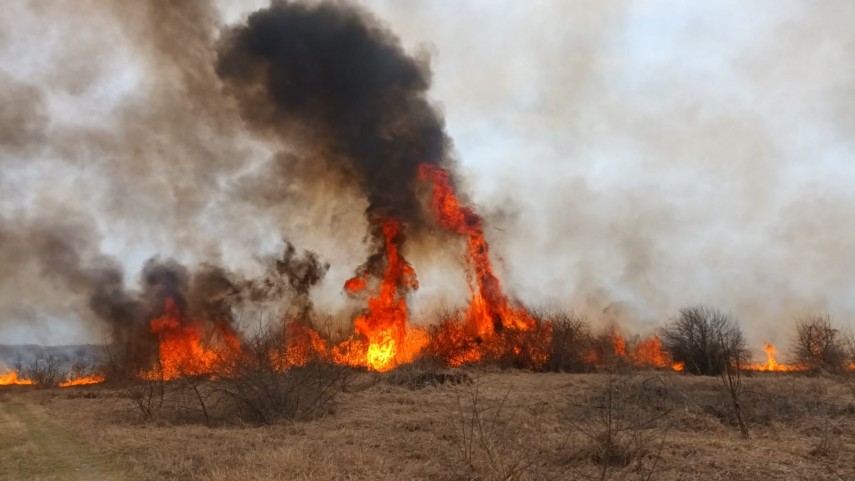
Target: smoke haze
(628,159)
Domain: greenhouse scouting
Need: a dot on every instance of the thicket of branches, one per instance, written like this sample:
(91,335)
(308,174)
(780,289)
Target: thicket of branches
(818,344)
(705,340)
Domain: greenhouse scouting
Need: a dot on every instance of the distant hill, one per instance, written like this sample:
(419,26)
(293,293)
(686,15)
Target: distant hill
(85,353)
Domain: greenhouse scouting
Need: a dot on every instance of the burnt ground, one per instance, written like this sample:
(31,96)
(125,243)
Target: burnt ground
(501,425)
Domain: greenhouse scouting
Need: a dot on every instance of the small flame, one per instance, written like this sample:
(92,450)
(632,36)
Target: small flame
(771,362)
(82,381)
(11,379)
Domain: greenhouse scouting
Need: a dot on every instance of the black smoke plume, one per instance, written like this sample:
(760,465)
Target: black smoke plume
(330,80)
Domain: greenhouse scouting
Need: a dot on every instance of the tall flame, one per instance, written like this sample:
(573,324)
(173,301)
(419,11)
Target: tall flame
(771,361)
(383,340)
(491,313)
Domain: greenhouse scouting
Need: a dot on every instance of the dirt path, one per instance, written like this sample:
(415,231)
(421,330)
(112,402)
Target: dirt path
(32,447)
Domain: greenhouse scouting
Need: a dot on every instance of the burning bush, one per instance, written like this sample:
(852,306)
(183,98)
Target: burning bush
(704,340)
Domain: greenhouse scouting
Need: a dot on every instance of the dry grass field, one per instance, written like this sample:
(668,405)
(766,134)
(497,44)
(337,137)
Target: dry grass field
(481,425)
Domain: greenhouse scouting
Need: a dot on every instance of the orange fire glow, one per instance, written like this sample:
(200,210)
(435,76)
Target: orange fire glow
(11,379)
(381,340)
(82,381)
(492,325)
(771,363)
(181,350)
(646,353)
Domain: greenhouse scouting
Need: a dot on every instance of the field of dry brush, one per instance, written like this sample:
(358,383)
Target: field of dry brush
(415,424)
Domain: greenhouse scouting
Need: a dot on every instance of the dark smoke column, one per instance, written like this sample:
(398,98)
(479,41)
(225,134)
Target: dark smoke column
(329,81)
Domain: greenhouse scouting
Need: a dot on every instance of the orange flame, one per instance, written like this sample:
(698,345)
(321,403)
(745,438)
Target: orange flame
(492,322)
(82,381)
(381,340)
(646,353)
(11,379)
(650,353)
(181,351)
(771,363)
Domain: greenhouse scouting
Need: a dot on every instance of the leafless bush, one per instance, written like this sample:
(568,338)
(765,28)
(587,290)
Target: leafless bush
(489,439)
(705,340)
(147,395)
(624,425)
(818,345)
(571,339)
(265,396)
(731,376)
(43,370)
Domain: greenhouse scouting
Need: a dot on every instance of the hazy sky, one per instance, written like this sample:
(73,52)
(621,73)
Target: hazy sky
(631,157)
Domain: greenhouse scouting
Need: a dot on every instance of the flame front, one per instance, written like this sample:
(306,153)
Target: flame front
(493,326)
(82,381)
(382,340)
(11,379)
(181,350)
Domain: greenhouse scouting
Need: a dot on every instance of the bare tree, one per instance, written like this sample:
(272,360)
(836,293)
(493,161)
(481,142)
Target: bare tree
(819,345)
(705,340)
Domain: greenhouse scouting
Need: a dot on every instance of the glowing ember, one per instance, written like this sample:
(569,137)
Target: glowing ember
(492,323)
(82,381)
(11,379)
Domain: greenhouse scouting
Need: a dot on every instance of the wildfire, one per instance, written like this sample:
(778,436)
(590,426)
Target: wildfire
(382,340)
(646,353)
(181,351)
(771,363)
(493,326)
(82,381)
(11,379)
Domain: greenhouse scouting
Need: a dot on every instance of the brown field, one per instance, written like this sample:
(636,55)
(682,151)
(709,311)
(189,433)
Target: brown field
(501,425)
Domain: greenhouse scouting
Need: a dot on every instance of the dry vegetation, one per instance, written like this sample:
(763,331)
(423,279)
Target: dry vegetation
(421,423)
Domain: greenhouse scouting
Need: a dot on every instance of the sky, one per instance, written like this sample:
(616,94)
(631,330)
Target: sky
(630,158)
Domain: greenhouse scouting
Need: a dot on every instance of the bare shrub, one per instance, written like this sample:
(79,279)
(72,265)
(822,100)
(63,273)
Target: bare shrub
(147,395)
(624,424)
(571,340)
(705,340)
(818,345)
(265,396)
(489,438)
(731,376)
(44,370)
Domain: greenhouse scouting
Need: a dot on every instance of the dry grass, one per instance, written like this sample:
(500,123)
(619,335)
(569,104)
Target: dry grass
(518,425)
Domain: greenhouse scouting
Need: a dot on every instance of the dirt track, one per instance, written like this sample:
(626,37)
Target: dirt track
(34,448)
